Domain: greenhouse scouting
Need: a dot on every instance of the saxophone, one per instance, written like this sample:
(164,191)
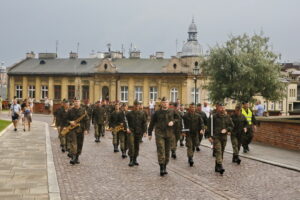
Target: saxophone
(67,129)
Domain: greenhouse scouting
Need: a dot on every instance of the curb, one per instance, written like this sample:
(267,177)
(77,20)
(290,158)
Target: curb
(53,188)
(262,160)
(4,130)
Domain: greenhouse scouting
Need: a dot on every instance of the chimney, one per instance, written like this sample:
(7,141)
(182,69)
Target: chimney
(30,55)
(73,55)
(135,54)
(159,55)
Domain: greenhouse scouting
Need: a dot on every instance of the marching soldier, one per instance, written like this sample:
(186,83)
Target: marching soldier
(113,122)
(204,119)
(57,123)
(247,138)
(89,110)
(77,134)
(141,108)
(63,122)
(177,132)
(181,112)
(123,134)
(222,126)
(98,118)
(163,121)
(194,123)
(137,127)
(239,129)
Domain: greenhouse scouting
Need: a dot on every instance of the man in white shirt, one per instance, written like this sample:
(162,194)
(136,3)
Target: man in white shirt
(206,108)
(15,112)
(151,107)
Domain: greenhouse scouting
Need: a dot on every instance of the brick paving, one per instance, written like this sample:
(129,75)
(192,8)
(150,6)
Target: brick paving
(103,174)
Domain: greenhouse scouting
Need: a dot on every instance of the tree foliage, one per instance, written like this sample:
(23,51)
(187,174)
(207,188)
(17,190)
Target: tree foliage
(242,68)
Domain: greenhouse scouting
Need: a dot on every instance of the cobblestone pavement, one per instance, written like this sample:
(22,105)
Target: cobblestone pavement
(103,174)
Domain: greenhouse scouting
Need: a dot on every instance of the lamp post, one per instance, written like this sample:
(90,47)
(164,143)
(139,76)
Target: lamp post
(196,71)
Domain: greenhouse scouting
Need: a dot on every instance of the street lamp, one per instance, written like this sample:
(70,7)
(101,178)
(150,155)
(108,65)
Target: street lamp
(196,71)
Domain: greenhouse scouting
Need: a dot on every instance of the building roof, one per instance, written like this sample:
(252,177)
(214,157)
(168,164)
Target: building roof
(85,66)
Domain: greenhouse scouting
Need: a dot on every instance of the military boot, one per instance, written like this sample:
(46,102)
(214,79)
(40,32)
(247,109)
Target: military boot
(191,161)
(198,148)
(135,161)
(214,153)
(173,154)
(69,155)
(63,149)
(162,170)
(96,139)
(165,169)
(73,160)
(77,159)
(124,154)
(131,163)
(219,168)
(238,160)
(116,148)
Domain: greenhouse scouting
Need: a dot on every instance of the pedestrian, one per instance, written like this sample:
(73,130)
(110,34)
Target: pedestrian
(163,121)
(182,111)
(194,123)
(137,127)
(15,112)
(151,107)
(206,108)
(98,119)
(251,128)
(239,129)
(220,125)
(27,119)
(204,119)
(259,109)
(77,116)
(1,100)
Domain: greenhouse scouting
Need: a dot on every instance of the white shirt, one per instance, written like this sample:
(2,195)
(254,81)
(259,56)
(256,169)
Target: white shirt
(207,110)
(15,108)
(152,105)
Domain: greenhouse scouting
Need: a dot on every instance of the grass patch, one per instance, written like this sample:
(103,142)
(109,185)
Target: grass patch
(4,124)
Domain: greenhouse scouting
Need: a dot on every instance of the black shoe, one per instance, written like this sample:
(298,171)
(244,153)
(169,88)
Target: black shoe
(116,148)
(96,140)
(63,149)
(24,129)
(219,168)
(69,155)
(73,160)
(191,162)
(214,153)
(174,155)
(135,162)
(124,154)
(197,149)
(131,163)
(165,169)
(15,129)
(245,150)
(77,159)
(238,160)
(162,170)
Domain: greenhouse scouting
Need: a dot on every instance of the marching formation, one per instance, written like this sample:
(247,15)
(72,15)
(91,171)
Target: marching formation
(170,122)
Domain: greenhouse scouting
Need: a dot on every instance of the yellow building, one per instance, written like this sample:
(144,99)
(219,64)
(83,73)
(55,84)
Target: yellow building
(113,78)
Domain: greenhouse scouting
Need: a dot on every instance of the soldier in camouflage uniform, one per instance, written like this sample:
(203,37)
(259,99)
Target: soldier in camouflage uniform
(98,118)
(177,131)
(194,123)
(145,115)
(240,128)
(204,119)
(122,119)
(77,134)
(57,124)
(222,126)
(163,121)
(137,127)
(182,112)
(113,122)
(89,110)
(63,122)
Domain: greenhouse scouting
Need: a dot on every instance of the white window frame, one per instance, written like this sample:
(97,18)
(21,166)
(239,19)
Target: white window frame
(124,94)
(193,95)
(153,93)
(19,91)
(44,91)
(138,93)
(173,94)
(31,91)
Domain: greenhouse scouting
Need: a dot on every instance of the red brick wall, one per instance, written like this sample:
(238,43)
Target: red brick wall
(280,134)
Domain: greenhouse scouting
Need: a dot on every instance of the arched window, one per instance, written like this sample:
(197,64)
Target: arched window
(173,94)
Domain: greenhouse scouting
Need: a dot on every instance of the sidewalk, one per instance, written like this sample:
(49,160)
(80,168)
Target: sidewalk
(279,157)
(24,168)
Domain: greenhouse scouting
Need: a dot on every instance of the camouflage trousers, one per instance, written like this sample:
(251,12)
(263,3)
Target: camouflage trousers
(247,137)
(116,138)
(77,138)
(98,130)
(219,146)
(133,144)
(200,137)
(62,138)
(175,138)
(192,141)
(236,142)
(163,145)
(123,136)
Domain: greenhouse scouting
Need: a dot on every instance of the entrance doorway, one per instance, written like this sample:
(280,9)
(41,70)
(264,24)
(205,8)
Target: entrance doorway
(105,93)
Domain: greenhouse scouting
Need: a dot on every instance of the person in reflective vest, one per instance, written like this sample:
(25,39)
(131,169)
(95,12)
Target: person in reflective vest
(251,128)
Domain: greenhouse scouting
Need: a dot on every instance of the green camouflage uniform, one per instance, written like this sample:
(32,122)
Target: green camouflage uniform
(204,119)
(62,117)
(194,123)
(123,135)
(240,122)
(98,118)
(113,122)
(137,124)
(220,121)
(77,134)
(177,131)
(163,133)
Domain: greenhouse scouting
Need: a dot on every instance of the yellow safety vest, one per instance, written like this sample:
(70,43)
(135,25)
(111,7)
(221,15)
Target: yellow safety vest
(247,115)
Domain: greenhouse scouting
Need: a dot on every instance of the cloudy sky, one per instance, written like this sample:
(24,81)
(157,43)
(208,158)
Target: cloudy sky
(150,25)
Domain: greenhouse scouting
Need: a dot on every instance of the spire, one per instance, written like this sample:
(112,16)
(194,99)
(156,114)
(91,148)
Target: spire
(192,31)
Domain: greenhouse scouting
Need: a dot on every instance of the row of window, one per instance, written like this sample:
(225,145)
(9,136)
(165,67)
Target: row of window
(153,93)
(274,105)
(292,92)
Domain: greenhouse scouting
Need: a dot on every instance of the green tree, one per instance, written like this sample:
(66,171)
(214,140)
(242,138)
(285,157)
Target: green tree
(242,68)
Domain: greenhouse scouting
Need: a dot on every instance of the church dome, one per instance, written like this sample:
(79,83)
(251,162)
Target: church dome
(192,28)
